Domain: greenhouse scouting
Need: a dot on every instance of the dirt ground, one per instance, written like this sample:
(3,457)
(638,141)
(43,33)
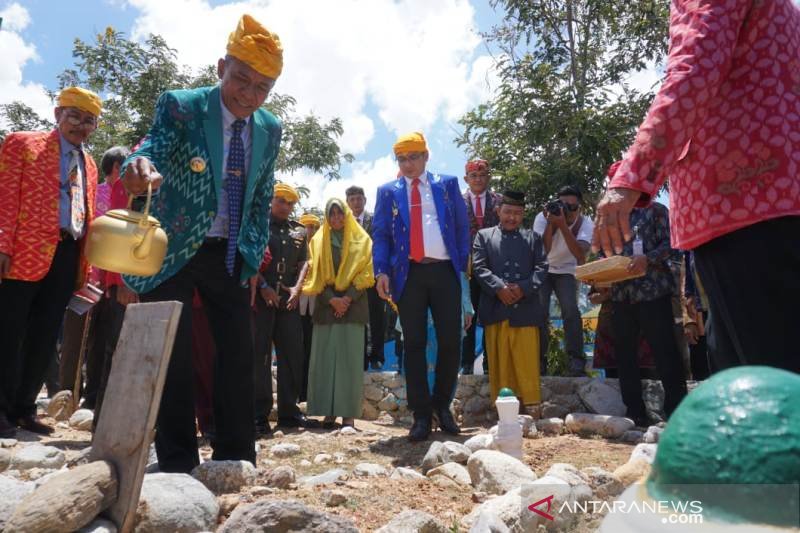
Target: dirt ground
(372,502)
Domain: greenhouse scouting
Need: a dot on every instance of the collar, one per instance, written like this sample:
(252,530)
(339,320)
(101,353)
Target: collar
(67,147)
(484,194)
(423,179)
(229,118)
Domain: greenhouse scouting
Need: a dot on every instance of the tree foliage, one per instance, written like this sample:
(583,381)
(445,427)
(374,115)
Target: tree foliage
(131,76)
(563,112)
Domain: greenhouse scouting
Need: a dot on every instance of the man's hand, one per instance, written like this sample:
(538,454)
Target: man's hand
(600,296)
(638,264)
(556,220)
(613,226)
(506,295)
(340,306)
(5,266)
(516,290)
(294,298)
(270,297)
(692,333)
(138,174)
(468,320)
(126,296)
(382,286)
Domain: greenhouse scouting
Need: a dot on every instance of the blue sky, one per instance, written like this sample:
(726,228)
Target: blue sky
(385,67)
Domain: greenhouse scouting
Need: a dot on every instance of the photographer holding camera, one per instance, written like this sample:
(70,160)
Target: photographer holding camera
(567,236)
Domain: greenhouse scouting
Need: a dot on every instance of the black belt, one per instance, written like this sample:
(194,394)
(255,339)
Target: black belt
(429,261)
(65,235)
(215,240)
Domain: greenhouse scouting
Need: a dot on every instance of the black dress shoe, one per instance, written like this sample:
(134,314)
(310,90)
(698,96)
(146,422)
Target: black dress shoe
(29,423)
(7,429)
(297,421)
(263,429)
(446,422)
(421,429)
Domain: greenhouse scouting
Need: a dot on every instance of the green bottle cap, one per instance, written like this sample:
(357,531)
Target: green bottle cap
(505,392)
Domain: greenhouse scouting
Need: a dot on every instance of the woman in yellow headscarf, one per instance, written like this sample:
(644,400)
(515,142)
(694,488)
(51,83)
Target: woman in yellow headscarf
(340,272)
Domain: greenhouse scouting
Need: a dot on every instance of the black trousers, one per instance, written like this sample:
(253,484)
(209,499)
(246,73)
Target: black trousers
(654,319)
(113,314)
(373,351)
(433,286)
(468,344)
(284,329)
(30,319)
(752,279)
(227,305)
(308,331)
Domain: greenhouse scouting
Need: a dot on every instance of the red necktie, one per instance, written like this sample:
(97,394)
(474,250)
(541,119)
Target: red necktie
(417,241)
(478,211)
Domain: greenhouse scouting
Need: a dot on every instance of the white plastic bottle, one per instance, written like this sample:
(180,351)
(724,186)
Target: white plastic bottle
(509,430)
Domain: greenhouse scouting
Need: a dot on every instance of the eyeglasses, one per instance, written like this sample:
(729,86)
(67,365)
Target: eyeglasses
(411,157)
(86,123)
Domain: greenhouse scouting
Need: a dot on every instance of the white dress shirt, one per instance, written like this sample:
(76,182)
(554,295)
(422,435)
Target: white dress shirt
(474,202)
(431,232)
(220,226)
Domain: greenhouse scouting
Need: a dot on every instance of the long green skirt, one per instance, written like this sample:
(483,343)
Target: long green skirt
(336,370)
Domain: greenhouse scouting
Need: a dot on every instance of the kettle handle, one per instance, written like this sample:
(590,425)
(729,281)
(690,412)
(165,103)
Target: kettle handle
(147,202)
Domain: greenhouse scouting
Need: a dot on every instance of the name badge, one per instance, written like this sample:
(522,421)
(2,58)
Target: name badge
(638,247)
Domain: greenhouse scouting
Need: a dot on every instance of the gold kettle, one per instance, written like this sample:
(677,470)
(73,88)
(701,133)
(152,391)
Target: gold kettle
(127,242)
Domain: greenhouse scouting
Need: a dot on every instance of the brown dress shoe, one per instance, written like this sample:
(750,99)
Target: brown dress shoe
(29,423)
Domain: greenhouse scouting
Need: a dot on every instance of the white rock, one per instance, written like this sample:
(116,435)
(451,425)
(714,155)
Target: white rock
(284,449)
(602,398)
(333,498)
(406,473)
(562,492)
(604,484)
(61,406)
(369,470)
(175,502)
(455,452)
(13,492)
(433,457)
(550,426)
(222,477)
(453,471)
(604,425)
(5,459)
(652,434)
(644,451)
(496,472)
(281,477)
(38,456)
(331,476)
(373,393)
(488,522)
(507,508)
(99,525)
(482,441)
(412,521)
(322,458)
(528,426)
(388,403)
(568,473)
(284,515)
(8,443)
(81,420)
(348,430)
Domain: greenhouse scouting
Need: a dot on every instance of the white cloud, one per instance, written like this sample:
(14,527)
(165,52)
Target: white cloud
(16,53)
(411,62)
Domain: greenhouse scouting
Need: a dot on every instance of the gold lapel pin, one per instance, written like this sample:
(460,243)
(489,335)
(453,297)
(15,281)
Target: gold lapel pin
(197,164)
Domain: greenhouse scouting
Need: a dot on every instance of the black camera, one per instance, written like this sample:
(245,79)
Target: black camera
(555,207)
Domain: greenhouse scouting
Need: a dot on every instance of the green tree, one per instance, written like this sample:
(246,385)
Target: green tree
(132,75)
(558,116)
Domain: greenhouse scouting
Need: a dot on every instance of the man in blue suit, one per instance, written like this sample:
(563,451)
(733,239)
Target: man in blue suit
(421,242)
(211,153)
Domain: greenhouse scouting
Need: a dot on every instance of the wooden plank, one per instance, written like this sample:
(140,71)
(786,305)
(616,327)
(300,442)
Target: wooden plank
(127,421)
(605,272)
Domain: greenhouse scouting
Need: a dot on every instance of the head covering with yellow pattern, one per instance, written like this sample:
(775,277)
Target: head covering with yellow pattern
(309,219)
(83,99)
(356,263)
(287,192)
(257,46)
(410,142)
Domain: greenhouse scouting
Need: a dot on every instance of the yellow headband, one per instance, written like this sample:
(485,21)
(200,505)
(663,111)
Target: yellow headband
(255,45)
(410,142)
(286,192)
(309,219)
(82,99)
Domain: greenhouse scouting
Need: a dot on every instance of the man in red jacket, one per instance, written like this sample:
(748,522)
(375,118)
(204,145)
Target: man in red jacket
(725,129)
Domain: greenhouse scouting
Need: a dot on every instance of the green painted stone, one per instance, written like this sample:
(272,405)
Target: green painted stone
(741,429)
(505,392)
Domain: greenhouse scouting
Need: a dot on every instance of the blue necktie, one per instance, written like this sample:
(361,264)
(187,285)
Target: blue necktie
(235,188)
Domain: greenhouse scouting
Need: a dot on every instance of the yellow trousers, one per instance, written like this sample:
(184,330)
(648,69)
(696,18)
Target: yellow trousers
(514,360)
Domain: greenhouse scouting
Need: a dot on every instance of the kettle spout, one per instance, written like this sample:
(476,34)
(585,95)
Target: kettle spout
(142,251)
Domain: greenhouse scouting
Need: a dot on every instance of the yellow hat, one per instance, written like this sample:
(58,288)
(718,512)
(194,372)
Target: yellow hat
(287,192)
(410,142)
(255,45)
(82,99)
(309,219)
